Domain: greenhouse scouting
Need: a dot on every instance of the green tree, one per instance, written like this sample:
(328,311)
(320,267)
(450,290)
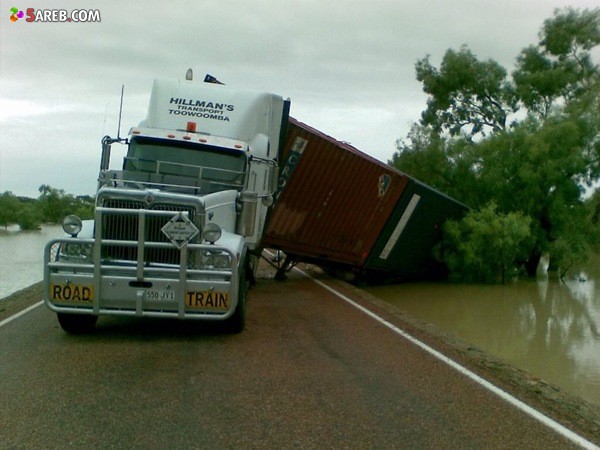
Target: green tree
(443,163)
(486,245)
(593,205)
(536,169)
(560,68)
(9,206)
(465,94)
(537,166)
(83,207)
(51,203)
(29,216)
(55,204)
(476,97)
(540,82)
(51,206)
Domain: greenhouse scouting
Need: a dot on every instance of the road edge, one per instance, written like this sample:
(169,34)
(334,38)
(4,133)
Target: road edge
(568,410)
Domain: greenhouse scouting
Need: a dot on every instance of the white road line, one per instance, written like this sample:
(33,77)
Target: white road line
(20,313)
(557,427)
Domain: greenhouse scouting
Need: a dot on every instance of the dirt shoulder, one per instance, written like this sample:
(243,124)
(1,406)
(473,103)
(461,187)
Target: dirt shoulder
(20,300)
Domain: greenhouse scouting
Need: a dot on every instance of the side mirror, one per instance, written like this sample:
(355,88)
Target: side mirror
(274,182)
(105,158)
(247,218)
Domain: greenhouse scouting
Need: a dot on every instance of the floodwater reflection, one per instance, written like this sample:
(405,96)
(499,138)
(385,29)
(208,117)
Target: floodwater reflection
(549,328)
(22,256)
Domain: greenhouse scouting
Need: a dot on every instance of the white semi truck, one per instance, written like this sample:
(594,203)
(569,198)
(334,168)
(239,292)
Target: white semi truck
(176,231)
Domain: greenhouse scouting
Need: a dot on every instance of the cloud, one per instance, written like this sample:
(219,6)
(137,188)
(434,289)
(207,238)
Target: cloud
(22,109)
(347,67)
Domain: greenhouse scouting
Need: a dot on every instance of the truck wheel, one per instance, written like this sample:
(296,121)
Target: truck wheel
(77,323)
(237,321)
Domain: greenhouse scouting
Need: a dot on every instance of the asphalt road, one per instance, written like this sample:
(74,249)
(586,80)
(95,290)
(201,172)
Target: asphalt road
(309,371)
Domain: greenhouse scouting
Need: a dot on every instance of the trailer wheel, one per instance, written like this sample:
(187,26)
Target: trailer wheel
(77,323)
(237,321)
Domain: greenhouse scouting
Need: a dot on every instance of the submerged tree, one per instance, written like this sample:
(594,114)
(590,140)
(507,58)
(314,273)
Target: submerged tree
(51,206)
(9,207)
(471,146)
(486,245)
(56,204)
(29,216)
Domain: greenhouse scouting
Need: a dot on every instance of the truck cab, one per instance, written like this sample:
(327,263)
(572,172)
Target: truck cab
(176,230)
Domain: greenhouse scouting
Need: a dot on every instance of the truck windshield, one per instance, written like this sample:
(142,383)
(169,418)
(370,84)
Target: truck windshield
(181,159)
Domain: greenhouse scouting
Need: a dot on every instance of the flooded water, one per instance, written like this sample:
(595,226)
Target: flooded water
(21,257)
(547,327)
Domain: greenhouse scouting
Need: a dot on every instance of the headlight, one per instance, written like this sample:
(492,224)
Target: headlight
(72,225)
(215,260)
(76,253)
(211,232)
(222,260)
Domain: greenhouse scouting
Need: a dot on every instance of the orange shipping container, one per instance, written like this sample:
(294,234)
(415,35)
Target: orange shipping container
(334,200)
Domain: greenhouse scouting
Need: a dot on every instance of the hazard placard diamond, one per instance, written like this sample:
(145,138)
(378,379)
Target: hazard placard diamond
(180,230)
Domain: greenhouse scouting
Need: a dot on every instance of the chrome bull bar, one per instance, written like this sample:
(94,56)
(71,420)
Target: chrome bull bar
(80,277)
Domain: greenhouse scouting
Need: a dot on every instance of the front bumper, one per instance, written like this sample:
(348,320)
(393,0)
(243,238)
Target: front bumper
(77,279)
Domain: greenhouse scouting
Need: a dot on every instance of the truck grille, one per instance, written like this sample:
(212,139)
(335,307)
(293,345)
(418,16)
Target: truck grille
(125,227)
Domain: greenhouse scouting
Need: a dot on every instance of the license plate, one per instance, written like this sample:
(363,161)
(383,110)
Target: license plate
(212,300)
(158,294)
(74,293)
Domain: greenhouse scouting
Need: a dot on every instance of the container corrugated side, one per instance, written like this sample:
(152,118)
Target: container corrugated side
(334,200)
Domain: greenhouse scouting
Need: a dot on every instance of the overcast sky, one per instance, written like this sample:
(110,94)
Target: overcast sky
(347,66)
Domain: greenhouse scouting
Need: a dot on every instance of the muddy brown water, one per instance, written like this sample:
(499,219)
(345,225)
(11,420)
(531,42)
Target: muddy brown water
(549,328)
(22,256)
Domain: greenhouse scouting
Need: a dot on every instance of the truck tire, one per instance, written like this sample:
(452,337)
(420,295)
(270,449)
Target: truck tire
(237,322)
(77,323)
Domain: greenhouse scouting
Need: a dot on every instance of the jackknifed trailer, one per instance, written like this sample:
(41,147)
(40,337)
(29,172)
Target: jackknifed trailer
(342,209)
